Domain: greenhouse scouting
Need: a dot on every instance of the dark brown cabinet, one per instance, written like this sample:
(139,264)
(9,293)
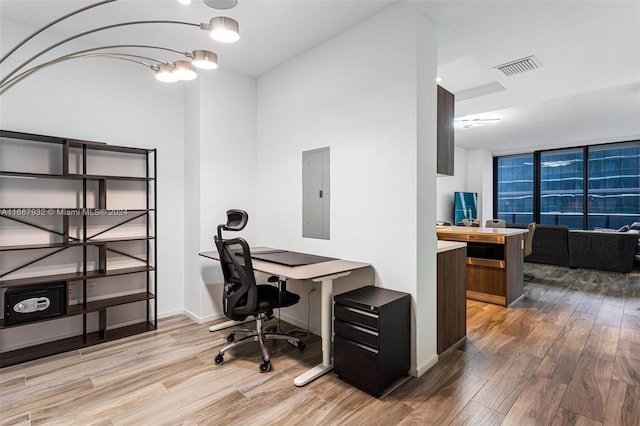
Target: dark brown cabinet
(372,337)
(78,243)
(446,147)
(452,307)
(495,262)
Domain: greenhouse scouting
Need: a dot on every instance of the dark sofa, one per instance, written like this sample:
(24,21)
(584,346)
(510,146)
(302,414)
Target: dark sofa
(608,251)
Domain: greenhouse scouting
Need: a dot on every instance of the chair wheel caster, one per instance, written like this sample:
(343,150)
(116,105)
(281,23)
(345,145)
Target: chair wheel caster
(231,338)
(265,366)
(219,359)
(301,347)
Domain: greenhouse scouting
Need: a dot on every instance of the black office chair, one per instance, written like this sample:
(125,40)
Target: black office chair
(242,297)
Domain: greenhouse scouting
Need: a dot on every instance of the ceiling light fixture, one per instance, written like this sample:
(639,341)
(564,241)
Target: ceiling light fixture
(467,122)
(184,1)
(165,73)
(184,71)
(204,59)
(221,4)
(438,79)
(224,29)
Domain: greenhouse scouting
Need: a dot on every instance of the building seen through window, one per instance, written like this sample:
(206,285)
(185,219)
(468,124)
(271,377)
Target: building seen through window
(562,188)
(596,185)
(515,188)
(614,185)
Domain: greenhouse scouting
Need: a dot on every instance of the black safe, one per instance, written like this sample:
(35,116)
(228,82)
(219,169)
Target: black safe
(372,340)
(33,303)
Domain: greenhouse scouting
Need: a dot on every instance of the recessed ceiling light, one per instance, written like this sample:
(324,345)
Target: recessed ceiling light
(438,79)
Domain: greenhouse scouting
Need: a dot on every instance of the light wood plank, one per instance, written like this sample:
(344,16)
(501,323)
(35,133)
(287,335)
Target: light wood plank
(610,314)
(19,420)
(485,364)
(415,392)
(503,388)
(537,403)
(629,349)
(591,304)
(538,342)
(440,408)
(602,343)
(623,407)
(475,414)
(568,418)
(562,358)
(626,370)
(630,334)
(632,302)
(588,390)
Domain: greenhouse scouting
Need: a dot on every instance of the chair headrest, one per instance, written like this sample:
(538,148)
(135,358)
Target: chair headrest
(236,220)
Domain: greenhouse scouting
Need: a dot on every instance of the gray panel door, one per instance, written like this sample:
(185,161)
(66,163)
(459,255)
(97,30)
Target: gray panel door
(315,193)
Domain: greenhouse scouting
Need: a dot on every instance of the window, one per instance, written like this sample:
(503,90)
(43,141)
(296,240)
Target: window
(595,186)
(614,185)
(562,188)
(515,188)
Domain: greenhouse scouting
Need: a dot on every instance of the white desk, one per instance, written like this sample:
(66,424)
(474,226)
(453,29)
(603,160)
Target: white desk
(324,273)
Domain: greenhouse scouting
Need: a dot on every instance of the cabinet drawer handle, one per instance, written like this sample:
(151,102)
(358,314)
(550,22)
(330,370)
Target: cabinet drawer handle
(358,311)
(366,348)
(364,330)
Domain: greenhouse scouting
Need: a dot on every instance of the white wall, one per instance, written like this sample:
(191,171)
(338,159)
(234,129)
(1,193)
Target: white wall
(220,174)
(192,281)
(425,308)
(117,103)
(357,93)
(480,180)
(448,185)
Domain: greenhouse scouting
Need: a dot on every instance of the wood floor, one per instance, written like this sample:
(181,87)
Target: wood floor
(566,353)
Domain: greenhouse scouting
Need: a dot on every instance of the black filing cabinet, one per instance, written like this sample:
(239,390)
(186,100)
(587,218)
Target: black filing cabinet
(372,337)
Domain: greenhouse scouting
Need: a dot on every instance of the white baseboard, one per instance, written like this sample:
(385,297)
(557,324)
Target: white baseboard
(201,320)
(170,313)
(424,367)
(299,324)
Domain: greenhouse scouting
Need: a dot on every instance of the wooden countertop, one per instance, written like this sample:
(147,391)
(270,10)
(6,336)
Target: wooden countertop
(466,230)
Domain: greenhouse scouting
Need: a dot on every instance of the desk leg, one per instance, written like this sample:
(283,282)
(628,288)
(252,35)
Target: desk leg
(326,330)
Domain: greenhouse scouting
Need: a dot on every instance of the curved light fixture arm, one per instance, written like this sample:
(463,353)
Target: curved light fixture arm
(121,56)
(118,46)
(52,23)
(122,24)
(80,52)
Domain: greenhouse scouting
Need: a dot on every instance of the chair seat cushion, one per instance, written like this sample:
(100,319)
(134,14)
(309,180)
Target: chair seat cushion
(270,297)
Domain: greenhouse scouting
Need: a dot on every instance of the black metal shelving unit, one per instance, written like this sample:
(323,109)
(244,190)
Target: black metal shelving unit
(86,242)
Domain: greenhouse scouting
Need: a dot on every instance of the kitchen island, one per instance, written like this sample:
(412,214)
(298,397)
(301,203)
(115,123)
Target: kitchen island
(495,261)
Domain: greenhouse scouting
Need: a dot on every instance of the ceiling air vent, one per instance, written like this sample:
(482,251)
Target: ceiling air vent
(519,66)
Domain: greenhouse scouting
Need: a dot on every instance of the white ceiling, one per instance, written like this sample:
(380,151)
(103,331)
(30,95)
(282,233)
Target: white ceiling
(587,91)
